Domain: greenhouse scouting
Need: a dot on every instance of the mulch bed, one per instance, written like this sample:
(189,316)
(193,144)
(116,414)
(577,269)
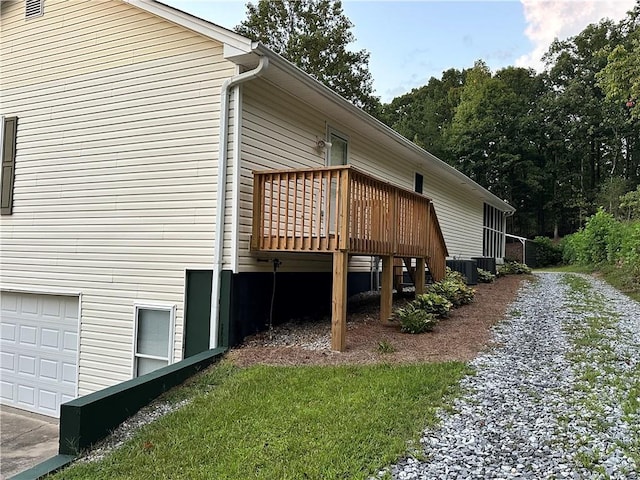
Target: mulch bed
(459,337)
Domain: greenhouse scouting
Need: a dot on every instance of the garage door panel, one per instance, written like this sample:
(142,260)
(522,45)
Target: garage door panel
(7,362)
(49,338)
(27,335)
(47,401)
(49,369)
(8,333)
(28,306)
(70,341)
(9,303)
(27,396)
(69,374)
(7,391)
(39,351)
(27,365)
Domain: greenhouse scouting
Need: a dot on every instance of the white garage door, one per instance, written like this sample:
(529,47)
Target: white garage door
(39,335)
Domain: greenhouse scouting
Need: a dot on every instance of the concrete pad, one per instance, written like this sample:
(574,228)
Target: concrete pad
(26,439)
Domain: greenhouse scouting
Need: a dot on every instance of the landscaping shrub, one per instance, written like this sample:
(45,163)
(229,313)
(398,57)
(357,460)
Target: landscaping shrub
(591,242)
(630,245)
(547,253)
(485,276)
(569,250)
(513,268)
(454,275)
(415,320)
(433,303)
(454,289)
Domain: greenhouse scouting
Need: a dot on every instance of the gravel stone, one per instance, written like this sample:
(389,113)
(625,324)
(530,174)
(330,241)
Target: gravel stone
(542,403)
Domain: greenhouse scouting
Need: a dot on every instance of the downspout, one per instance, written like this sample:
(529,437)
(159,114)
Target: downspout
(222,183)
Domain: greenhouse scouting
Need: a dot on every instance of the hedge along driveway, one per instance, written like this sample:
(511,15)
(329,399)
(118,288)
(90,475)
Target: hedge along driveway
(286,423)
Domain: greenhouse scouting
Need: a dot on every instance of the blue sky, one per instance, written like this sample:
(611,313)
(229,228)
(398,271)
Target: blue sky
(411,41)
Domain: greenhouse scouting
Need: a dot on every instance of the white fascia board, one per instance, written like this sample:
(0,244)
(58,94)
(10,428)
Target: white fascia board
(203,27)
(420,154)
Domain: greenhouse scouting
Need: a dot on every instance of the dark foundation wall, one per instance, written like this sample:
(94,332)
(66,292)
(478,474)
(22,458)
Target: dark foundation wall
(246,299)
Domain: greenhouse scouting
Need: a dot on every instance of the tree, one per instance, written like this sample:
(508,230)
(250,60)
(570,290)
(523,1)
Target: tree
(425,113)
(620,78)
(493,138)
(314,34)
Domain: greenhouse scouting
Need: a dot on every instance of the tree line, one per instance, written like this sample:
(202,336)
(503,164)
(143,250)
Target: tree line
(556,145)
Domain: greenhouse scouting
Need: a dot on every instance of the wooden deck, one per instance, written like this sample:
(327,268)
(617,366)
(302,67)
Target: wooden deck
(344,211)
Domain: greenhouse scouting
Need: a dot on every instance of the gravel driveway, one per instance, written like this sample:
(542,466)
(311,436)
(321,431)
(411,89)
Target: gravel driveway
(558,397)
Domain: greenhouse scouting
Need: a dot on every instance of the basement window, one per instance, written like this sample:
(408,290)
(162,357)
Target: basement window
(153,341)
(33,9)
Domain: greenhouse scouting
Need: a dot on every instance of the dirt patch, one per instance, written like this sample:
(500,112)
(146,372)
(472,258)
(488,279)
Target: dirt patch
(459,337)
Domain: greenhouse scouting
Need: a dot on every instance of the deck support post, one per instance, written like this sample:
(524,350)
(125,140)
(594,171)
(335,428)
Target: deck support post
(386,294)
(339,301)
(420,275)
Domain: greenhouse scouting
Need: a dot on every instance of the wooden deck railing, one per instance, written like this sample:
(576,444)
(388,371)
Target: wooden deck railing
(344,209)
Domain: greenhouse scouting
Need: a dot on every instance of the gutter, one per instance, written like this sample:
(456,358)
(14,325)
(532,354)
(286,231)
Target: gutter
(222,184)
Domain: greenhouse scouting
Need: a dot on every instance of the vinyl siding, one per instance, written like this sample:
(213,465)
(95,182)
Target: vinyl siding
(279,131)
(117,148)
(459,214)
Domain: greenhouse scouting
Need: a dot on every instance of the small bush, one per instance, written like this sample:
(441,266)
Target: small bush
(485,276)
(415,320)
(547,253)
(433,303)
(454,276)
(513,268)
(457,292)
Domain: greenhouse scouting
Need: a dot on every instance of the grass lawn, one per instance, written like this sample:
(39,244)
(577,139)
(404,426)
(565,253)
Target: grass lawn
(285,423)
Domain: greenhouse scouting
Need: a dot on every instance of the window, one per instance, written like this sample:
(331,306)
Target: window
(339,151)
(8,147)
(418,183)
(33,8)
(153,341)
(494,232)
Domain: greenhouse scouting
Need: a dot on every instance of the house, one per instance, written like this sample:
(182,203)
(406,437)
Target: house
(164,179)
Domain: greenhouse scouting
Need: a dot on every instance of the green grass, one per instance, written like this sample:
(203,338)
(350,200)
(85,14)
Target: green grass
(285,423)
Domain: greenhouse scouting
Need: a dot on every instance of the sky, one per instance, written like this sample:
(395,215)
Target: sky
(411,41)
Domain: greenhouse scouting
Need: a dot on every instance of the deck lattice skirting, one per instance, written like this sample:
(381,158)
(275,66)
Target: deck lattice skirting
(344,211)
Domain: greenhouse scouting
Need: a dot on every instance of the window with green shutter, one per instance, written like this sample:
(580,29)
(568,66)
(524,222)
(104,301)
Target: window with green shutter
(9,129)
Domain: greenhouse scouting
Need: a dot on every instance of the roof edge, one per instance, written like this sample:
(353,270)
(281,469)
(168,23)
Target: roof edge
(208,29)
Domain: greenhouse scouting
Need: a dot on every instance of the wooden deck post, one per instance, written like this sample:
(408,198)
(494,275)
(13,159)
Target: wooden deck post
(339,301)
(420,275)
(386,295)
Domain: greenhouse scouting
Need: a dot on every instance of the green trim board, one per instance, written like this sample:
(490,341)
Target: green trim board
(90,418)
(197,311)
(47,467)
(226,311)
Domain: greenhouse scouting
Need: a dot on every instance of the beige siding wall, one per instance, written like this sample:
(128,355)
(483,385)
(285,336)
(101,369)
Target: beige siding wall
(116,166)
(280,132)
(459,214)
(277,132)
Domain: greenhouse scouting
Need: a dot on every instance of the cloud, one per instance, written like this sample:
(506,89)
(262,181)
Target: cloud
(550,19)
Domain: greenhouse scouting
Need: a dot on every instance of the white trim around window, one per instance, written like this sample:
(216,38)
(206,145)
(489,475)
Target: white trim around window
(152,337)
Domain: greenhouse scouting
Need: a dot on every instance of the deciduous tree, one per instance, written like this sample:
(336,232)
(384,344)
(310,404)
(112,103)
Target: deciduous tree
(314,35)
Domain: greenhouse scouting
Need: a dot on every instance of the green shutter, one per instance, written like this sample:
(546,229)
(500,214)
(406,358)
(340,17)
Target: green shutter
(8,163)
